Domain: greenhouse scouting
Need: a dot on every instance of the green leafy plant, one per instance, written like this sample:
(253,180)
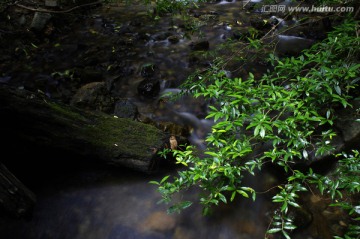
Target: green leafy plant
(291,110)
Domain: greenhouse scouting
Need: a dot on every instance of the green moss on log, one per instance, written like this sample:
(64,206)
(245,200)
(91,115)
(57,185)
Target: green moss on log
(67,112)
(124,137)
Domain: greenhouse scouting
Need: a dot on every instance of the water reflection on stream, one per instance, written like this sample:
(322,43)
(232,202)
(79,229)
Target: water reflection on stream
(118,204)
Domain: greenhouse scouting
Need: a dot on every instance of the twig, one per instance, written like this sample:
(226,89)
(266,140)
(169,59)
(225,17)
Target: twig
(56,11)
(357,13)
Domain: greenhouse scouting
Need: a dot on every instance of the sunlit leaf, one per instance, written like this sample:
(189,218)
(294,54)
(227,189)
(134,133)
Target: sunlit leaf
(262,132)
(274,230)
(305,154)
(338,89)
(154,182)
(164,179)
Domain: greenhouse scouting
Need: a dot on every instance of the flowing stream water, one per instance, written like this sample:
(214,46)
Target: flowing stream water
(117,204)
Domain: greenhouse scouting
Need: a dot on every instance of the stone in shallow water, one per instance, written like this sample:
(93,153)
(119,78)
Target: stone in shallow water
(148,70)
(173,39)
(40,20)
(149,88)
(292,45)
(51,3)
(158,221)
(93,96)
(200,46)
(125,109)
(121,232)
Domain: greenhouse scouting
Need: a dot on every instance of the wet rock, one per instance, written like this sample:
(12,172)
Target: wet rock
(149,88)
(173,39)
(277,22)
(161,36)
(140,20)
(121,69)
(246,226)
(292,45)
(92,57)
(183,233)
(302,217)
(209,17)
(253,6)
(125,29)
(193,60)
(125,109)
(240,34)
(119,231)
(127,39)
(347,138)
(5,79)
(205,15)
(348,126)
(88,75)
(317,202)
(144,36)
(148,70)
(196,14)
(173,128)
(260,24)
(51,3)
(39,21)
(158,221)
(93,96)
(200,45)
(22,20)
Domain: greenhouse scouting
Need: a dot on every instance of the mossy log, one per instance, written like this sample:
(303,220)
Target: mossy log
(32,121)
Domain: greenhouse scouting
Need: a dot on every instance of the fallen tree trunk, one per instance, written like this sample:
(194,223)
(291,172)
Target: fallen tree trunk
(31,120)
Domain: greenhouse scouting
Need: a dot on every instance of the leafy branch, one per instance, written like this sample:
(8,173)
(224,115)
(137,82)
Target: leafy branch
(290,110)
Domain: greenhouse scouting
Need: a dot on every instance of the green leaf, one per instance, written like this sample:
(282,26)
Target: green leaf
(154,182)
(242,193)
(278,198)
(286,235)
(305,154)
(254,196)
(290,227)
(233,196)
(338,89)
(185,204)
(257,129)
(274,230)
(262,132)
(222,197)
(328,114)
(284,207)
(164,179)
(294,204)
(211,154)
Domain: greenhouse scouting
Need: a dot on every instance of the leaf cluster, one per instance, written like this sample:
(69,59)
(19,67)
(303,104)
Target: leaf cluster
(291,110)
